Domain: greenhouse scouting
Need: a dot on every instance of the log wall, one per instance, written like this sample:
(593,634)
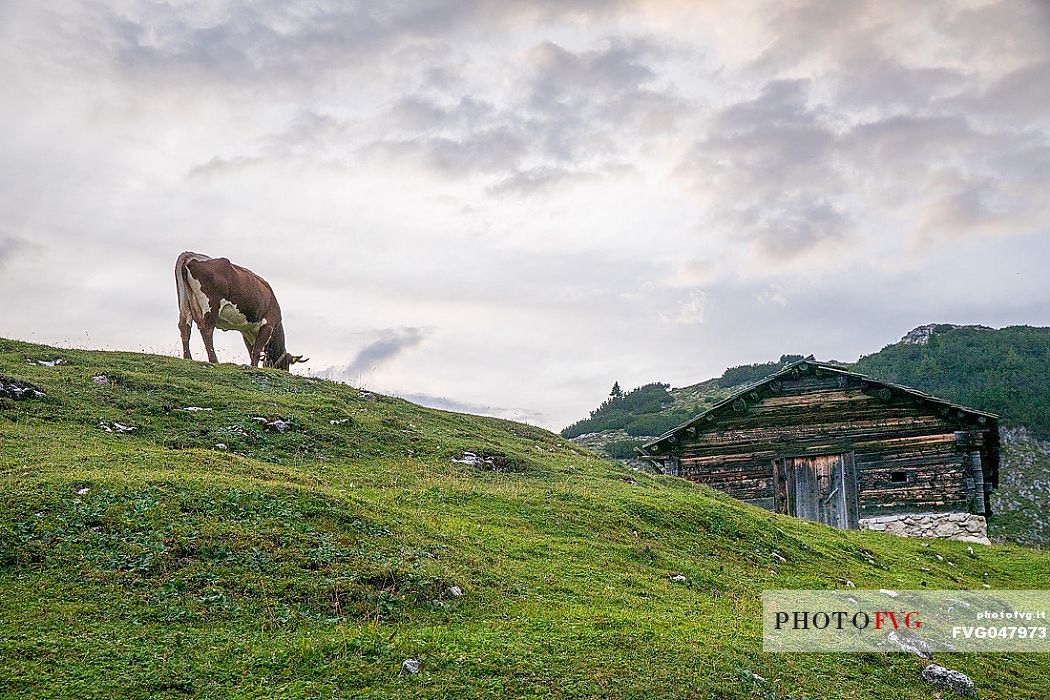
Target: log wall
(941,454)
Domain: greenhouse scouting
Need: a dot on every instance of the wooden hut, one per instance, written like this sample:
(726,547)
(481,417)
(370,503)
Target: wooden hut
(819,442)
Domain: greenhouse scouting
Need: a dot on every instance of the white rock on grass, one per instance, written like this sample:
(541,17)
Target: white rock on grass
(410,666)
(952,681)
(678,578)
(911,643)
(278,424)
(777,555)
(116,427)
(456,591)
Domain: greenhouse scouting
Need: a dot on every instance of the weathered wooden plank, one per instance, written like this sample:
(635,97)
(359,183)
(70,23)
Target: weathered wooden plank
(741,450)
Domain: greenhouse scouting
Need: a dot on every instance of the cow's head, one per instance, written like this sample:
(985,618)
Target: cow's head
(285,361)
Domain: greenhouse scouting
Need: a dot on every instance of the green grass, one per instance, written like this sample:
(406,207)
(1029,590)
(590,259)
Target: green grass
(311,563)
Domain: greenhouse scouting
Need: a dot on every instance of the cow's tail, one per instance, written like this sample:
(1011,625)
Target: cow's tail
(182,284)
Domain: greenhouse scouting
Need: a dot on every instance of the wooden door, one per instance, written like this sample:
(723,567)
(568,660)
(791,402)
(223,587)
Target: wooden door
(819,488)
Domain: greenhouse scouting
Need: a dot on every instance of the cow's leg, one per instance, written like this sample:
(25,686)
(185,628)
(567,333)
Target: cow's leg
(207,329)
(185,326)
(260,343)
(249,343)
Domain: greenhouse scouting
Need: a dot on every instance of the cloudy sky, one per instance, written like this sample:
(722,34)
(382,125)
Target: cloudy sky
(505,206)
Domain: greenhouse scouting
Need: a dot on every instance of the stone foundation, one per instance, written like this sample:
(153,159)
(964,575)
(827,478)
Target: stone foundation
(966,527)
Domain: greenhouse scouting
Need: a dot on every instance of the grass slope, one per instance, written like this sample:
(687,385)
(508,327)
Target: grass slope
(311,563)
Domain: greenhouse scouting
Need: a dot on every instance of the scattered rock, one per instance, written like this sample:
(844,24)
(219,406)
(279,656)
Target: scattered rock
(776,555)
(488,461)
(196,409)
(338,421)
(891,594)
(969,550)
(629,480)
(116,427)
(100,379)
(83,491)
(850,584)
(277,424)
(757,677)
(911,644)
(456,591)
(49,363)
(678,578)
(367,396)
(468,458)
(410,666)
(221,446)
(953,681)
(18,390)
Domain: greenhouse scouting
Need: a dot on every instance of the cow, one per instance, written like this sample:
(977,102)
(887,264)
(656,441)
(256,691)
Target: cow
(215,293)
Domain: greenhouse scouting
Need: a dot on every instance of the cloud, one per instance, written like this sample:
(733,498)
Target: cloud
(568,115)
(692,273)
(548,176)
(283,45)
(769,174)
(689,312)
(493,150)
(11,247)
(389,344)
(446,404)
(548,179)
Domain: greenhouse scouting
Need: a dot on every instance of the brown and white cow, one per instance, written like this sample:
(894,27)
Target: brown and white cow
(215,293)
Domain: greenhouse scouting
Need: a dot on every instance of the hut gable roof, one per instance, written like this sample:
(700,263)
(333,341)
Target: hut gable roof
(791,371)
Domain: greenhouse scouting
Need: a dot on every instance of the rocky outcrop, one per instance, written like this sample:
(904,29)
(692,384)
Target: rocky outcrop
(966,527)
(18,390)
(921,334)
(1021,504)
(952,681)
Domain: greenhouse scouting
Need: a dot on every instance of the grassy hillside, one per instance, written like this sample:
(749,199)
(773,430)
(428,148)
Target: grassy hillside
(625,421)
(207,554)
